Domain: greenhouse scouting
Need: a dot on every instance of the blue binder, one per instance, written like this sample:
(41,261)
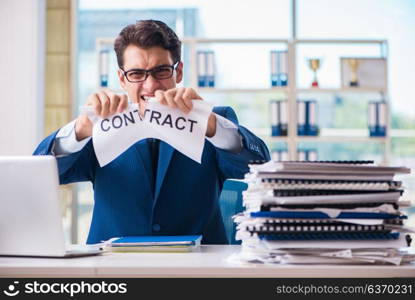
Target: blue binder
(180,240)
(322,215)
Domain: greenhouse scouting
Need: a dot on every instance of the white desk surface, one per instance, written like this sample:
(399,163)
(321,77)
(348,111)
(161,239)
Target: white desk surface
(210,261)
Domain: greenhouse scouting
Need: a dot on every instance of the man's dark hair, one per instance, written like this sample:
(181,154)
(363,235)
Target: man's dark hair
(146,34)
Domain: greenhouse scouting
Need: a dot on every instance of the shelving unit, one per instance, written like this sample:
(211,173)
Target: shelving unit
(292,91)
(221,90)
(341,90)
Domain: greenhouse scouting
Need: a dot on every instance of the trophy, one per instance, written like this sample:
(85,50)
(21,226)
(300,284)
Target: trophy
(353,64)
(314,64)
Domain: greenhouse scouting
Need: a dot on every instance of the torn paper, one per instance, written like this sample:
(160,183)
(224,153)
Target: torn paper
(185,132)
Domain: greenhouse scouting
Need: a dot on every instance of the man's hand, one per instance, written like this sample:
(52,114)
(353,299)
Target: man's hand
(211,128)
(181,98)
(105,103)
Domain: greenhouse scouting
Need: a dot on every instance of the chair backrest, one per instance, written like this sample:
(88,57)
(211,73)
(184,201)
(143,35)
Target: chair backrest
(230,202)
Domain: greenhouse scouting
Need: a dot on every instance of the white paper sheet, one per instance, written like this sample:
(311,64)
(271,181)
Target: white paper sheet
(334,212)
(326,168)
(185,132)
(338,244)
(322,256)
(264,198)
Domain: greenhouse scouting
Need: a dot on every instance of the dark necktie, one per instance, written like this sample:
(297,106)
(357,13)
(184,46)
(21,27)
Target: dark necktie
(154,150)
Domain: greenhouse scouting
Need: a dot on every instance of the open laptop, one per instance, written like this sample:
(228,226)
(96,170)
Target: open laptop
(30,210)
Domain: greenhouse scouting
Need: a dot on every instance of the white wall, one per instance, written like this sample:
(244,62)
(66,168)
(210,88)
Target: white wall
(22,64)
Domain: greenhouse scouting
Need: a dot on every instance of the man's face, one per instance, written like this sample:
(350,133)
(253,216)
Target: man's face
(138,58)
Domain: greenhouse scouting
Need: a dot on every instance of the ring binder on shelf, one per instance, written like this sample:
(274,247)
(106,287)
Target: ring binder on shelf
(103,67)
(311,122)
(205,68)
(377,118)
(279,69)
(201,68)
(301,118)
(278,111)
(210,69)
(307,117)
(279,155)
(307,154)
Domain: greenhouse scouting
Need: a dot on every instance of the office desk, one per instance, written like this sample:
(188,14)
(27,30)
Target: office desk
(210,261)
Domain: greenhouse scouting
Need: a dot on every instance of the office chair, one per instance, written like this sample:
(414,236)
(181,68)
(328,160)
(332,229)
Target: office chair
(230,202)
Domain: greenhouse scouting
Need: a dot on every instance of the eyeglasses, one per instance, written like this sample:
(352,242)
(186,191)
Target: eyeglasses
(159,72)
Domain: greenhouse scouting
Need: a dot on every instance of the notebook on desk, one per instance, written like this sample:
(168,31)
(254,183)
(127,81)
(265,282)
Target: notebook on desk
(30,214)
(181,243)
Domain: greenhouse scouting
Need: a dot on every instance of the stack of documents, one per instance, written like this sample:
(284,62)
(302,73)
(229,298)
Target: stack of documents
(323,212)
(183,243)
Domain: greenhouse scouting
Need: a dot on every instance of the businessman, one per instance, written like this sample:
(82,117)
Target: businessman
(152,189)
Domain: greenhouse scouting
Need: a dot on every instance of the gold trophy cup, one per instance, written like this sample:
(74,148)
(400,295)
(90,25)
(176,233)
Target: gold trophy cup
(353,64)
(314,64)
